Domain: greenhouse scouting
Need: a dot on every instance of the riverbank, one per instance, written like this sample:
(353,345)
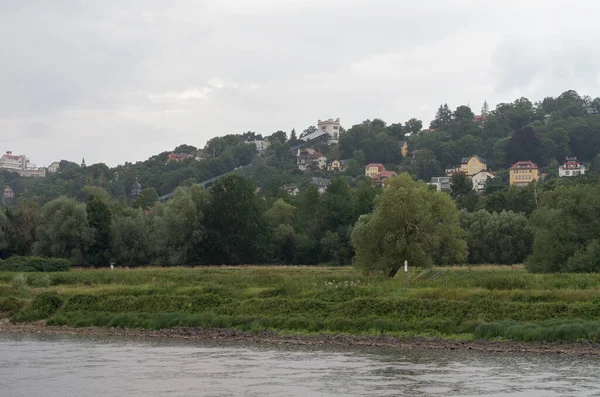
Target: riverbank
(273,338)
(461,305)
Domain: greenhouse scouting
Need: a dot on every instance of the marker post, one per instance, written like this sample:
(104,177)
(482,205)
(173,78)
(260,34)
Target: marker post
(405,276)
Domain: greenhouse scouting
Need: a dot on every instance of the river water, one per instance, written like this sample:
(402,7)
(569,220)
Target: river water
(53,366)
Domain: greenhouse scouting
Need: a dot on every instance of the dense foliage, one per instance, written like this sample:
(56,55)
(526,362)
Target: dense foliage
(88,216)
(34,264)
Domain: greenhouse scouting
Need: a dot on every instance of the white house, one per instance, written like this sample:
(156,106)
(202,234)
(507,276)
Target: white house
(479,180)
(54,167)
(261,145)
(331,127)
(21,165)
(442,183)
(571,167)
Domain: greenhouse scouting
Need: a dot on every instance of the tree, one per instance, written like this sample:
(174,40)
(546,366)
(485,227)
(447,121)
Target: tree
(237,230)
(423,165)
(64,231)
(462,192)
(281,213)
(567,230)
(179,234)
(485,109)
(146,199)
(131,244)
(23,224)
(503,237)
(4,234)
(293,137)
(414,126)
(442,118)
(308,131)
(99,220)
(410,222)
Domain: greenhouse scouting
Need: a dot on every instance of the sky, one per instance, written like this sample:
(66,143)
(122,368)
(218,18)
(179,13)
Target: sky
(116,81)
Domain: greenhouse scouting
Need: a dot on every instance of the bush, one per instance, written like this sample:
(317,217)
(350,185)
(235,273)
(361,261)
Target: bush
(43,306)
(19,282)
(34,264)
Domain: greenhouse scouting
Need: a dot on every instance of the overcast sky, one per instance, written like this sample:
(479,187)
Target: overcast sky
(116,81)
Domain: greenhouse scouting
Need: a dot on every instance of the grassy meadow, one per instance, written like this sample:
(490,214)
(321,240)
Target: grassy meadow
(463,302)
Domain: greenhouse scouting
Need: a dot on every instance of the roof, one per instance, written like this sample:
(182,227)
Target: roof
(290,187)
(378,165)
(465,160)
(387,174)
(313,136)
(483,172)
(321,182)
(524,164)
(401,143)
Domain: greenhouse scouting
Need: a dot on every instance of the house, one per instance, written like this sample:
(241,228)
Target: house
(310,159)
(403,148)
(9,194)
(335,165)
(179,157)
(203,154)
(472,165)
(441,183)
(480,179)
(21,165)
(453,170)
(261,145)
(331,127)
(382,176)
(374,169)
(292,190)
(571,167)
(321,184)
(479,118)
(522,173)
(54,167)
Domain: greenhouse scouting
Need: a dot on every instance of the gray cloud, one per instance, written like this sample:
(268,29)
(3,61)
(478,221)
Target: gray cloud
(119,81)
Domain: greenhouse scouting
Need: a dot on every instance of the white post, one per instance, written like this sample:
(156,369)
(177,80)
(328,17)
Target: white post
(405,276)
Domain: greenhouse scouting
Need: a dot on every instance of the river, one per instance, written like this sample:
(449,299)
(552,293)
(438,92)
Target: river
(53,366)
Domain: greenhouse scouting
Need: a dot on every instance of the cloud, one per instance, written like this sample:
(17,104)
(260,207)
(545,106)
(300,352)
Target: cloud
(119,81)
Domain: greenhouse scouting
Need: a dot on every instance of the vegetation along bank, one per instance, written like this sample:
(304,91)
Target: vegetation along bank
(445,304)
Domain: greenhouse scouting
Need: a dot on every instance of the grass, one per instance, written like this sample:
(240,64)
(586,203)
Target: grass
(465,302)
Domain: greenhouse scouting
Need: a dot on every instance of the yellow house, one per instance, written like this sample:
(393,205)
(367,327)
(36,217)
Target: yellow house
(403,148)
(472,165)
(374,169)
(522,173)
(335,165)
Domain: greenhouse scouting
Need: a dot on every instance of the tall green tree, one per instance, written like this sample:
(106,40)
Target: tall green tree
(99,220)
(237,230)
(410,222)
(64,231)
(147,199)
(442,118)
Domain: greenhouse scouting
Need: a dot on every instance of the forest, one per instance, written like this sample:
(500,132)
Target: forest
(86,214)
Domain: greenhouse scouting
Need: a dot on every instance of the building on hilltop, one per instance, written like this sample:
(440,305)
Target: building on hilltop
(261,145)
(403,148)
(310,159)
(374,169)
(8,194)
(321,183)
(382,176)
(292,190)
(522,173)
(335,165)
(441,183)
(83,162)
(331,127)
(21,165)
(54,167)
(571,167)
(178,157)
(136,190)
(480,179)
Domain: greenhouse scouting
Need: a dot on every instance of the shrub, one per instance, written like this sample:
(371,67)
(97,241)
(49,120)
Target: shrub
(19,282)
(34,264)
(43,306)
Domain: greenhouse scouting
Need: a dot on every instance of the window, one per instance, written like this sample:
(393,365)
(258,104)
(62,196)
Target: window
(324,128)
(567,173)
(335,127)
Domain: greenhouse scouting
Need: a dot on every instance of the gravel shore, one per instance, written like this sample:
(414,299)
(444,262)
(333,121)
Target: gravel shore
(269,337)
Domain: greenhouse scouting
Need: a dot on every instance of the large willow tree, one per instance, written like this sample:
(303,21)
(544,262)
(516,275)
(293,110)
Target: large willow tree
(410,222)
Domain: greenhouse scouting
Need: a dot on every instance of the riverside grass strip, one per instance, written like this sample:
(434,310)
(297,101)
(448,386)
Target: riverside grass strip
(478,302)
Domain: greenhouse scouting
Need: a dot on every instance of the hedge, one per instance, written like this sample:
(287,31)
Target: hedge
(34,264)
